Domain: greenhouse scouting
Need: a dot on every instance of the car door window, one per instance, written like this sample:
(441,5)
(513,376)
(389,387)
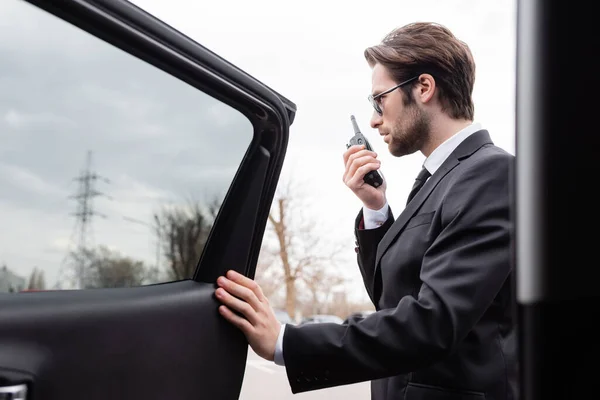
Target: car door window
(111,171)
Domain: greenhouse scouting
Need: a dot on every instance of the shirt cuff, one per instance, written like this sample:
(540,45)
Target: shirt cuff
(279,347)
(375,218)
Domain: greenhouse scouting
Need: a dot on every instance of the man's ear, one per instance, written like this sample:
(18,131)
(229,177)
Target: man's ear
(425,88)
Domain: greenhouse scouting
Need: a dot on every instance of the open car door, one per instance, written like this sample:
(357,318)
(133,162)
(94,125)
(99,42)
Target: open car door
(137,167)
(556,219)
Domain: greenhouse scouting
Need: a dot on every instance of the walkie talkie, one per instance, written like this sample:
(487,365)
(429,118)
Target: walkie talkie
(372,178)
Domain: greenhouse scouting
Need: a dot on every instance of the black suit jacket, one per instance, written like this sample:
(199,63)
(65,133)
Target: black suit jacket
(440,278)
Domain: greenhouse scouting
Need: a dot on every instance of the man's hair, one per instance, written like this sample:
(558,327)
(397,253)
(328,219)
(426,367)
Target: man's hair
(431,48)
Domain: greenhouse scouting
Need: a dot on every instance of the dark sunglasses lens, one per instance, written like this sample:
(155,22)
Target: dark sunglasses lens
(375,105)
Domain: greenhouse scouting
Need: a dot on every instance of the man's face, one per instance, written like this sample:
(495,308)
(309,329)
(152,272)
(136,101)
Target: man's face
(404,126)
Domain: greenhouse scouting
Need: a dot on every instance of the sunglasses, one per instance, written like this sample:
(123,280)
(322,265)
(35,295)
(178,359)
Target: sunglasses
(374,99)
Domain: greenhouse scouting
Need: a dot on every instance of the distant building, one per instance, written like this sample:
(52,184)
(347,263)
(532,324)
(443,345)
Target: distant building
(9,282)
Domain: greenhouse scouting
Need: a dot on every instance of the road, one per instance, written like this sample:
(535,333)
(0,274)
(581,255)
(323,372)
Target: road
(266,381)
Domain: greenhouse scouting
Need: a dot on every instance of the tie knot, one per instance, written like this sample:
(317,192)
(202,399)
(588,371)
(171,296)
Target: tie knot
(423,174)
(419,182)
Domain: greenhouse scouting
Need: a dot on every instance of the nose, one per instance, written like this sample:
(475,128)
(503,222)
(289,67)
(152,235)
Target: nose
(376,120)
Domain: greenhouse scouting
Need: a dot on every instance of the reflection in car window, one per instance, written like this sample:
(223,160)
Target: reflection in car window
(111,170)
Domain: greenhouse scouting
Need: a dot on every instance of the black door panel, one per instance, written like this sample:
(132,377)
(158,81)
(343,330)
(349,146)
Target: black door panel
(146,342)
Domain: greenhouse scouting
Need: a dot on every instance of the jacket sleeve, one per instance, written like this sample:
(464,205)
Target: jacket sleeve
(461,274)
(366,249)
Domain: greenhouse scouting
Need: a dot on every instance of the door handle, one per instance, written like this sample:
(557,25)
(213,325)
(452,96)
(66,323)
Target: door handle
(15,392)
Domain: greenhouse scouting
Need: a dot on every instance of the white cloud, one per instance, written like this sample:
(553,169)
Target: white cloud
(21,120)
(62,244)
(26,180)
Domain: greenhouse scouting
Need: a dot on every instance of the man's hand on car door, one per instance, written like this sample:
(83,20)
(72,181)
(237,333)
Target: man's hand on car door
(259,323)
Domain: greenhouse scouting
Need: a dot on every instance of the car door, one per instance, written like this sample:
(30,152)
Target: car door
(162,158)
(556,245)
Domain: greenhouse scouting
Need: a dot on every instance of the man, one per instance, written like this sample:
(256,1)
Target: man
(440,274)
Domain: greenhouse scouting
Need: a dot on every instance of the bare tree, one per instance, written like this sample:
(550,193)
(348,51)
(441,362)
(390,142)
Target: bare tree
(109,269)
(183,232)
(269,276)
(321,286)
(37,280)
(299,252)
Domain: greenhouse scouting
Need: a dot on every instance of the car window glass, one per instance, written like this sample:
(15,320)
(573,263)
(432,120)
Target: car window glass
(111,170)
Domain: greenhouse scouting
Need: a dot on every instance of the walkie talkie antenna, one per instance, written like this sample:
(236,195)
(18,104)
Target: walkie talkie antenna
(354,124)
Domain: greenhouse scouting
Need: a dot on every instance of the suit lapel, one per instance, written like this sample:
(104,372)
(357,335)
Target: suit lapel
(465,149)
(412,208)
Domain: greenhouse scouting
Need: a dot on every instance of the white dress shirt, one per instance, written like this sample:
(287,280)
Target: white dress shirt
(375,218)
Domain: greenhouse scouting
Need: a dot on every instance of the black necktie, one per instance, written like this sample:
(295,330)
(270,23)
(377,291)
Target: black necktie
(419,182)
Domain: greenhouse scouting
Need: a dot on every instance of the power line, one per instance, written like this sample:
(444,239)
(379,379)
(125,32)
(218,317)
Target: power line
(85,212)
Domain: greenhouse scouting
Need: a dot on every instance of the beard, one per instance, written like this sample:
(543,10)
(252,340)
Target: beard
(410,132)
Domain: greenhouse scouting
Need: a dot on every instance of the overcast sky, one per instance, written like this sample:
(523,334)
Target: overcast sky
(63,92)
(155,140)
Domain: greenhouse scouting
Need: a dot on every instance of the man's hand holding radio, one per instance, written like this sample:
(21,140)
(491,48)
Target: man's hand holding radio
(359,161)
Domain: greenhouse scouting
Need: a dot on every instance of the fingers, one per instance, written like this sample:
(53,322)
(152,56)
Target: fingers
(249,283)
(242,323)
(359,168)
(239,290)
(358,164)
(351,150)
(357,180)
(234,303)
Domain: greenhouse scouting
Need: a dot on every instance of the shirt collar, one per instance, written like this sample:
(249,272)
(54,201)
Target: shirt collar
(441,153)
